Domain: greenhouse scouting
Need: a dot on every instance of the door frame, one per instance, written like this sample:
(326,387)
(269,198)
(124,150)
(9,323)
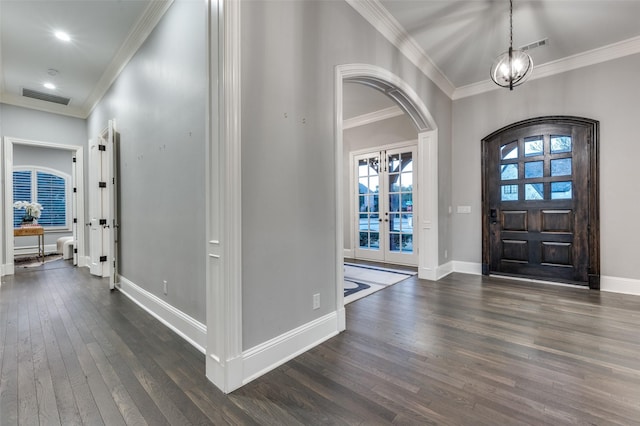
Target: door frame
(354,214)
(593,239)
(6,214)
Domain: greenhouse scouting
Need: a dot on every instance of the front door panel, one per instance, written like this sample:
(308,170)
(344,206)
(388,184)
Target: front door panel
(538,202)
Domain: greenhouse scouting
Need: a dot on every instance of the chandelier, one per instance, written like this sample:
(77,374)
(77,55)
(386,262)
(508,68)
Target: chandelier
(512,67)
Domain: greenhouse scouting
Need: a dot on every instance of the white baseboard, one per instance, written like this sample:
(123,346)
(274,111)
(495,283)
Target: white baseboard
(444,270)
(620,285)
(188,328)
(269,355)
(467,267)
(348,253)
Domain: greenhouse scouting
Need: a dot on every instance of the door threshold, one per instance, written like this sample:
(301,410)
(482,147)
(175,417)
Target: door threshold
(533,280)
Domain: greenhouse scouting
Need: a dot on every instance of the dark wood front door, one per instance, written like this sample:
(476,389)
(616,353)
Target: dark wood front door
(540,201)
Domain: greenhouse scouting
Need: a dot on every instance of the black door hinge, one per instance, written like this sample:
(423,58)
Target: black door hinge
(102,184)
(103,258)
(103,221)
(102,147)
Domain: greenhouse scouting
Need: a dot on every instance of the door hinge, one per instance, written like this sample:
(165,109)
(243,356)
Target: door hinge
(74,159)
(102,147)
(75,190)
(103,258)
(102,184)
(75,220)
(103,222)
(75,250)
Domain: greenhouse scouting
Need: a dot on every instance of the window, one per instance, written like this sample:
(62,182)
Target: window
(47,187)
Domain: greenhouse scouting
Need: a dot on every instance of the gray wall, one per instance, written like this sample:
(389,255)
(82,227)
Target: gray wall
(56,159)
(159,105)
(393,130)
(23,123)
(604,92)
(289,53)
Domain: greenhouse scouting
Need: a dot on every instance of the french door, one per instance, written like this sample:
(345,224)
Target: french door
(386,201)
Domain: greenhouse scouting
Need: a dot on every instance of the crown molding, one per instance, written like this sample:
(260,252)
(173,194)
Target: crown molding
(145,25)
(592,57)
(378,16)
(372,117)
(24,102)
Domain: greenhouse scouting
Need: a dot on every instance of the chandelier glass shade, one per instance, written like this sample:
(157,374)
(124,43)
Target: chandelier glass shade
(512,67)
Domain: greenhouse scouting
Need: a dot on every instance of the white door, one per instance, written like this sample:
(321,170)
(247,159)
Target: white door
(386,191)
(102,205)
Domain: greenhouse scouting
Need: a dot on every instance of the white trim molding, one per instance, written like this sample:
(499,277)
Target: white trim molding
(185,326)
(467,267)
(372,117)
(275,352)
(620,285)
(224,214)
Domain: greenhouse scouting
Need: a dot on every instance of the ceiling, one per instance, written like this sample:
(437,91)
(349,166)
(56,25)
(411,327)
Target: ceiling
(104,36)
(453,41)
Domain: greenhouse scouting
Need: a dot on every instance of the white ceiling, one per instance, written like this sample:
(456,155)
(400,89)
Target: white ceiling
(104,36)
(453,41)
(462,37)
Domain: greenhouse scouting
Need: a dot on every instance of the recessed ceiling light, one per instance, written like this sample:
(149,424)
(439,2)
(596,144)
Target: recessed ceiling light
(62,36)
(49,86)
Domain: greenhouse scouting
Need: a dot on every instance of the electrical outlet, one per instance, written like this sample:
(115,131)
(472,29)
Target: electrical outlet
(316,301)
(164,283)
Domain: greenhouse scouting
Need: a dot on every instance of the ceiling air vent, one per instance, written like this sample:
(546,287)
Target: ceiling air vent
(535,44)
(45,97)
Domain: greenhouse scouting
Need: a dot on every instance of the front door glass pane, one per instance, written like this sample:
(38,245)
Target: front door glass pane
(560,144)
(561,167)
(533,146)
(534,191)
(533,169)
(509,193)
(509,151)
(561,190)
(509,171)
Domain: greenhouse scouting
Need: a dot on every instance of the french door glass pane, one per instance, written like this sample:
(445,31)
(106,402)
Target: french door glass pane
(369,202)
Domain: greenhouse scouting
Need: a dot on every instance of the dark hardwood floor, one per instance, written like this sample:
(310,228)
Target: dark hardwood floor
(466,350)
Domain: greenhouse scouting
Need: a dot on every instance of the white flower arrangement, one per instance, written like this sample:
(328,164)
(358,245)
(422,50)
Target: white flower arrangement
(32,209)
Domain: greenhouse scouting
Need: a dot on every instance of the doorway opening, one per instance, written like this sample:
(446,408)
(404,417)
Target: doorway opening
(39,171)
(426,225)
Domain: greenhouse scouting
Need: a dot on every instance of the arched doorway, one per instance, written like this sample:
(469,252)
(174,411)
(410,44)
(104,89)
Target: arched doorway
(407,99)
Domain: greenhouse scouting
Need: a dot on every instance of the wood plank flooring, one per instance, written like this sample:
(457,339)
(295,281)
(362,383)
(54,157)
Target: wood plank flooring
(466,350)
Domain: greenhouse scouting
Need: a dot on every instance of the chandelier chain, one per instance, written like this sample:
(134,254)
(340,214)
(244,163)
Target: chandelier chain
(511,23)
